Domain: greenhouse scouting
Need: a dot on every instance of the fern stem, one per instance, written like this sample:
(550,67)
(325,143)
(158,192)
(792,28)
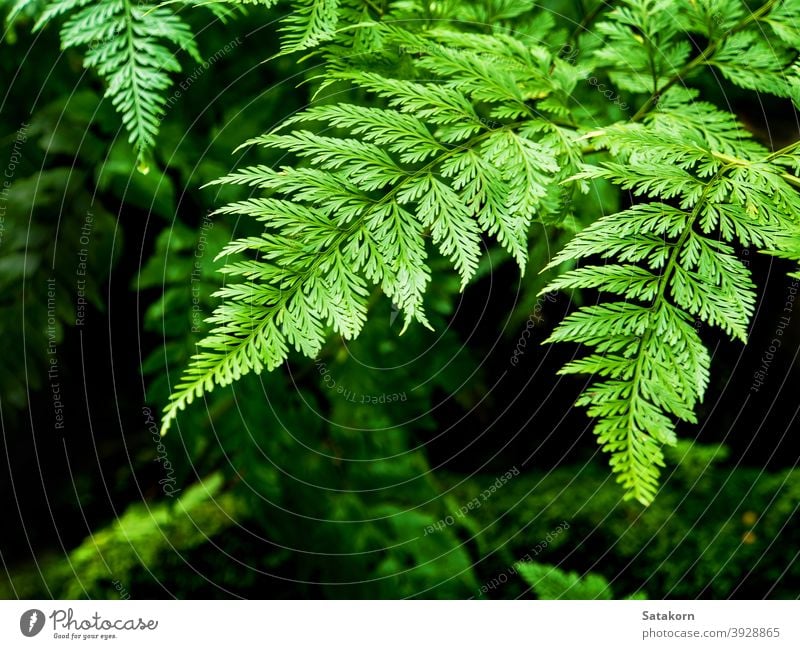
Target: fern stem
(652,100)
(787,150)
(739,162)
(377,9)
(658,300)
(137,103)
(756,15)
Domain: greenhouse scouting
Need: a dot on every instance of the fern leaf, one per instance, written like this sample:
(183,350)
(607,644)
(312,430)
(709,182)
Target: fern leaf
(671,265)
(365,207)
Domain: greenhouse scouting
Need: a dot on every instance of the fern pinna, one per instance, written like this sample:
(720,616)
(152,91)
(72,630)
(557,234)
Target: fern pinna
(468,123)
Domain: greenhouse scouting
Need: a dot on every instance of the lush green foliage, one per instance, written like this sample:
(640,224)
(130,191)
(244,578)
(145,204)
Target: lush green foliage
(713,552)
(480,135)
(471,168)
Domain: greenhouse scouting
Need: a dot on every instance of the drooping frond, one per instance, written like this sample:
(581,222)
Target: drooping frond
(667,264)
(366,204)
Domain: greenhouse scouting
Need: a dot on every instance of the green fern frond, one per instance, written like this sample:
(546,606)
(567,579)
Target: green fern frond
(765,68)
(671,265)
(365,207)
(129,46)
(311,23)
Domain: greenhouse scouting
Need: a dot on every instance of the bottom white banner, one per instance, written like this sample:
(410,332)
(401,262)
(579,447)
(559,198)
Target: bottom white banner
(400,624)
